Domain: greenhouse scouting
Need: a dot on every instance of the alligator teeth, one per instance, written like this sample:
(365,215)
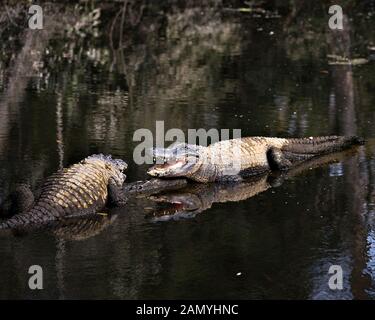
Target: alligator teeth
(155,159)
(102,214)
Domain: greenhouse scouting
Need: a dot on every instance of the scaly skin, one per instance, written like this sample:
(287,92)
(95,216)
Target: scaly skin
(141,189)
(79,190)
(239,158)
(196,198)
(83,225)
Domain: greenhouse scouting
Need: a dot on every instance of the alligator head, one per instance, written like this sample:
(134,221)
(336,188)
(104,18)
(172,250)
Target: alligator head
(176,161)
(114,167)
(175,206)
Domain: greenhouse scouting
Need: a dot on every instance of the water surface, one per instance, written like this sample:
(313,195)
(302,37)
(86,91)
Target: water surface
(224,71)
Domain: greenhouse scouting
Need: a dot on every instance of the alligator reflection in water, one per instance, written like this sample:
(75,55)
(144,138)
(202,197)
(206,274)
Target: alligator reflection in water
(80,228)
(72,228)
(87,227)
(84,226)
(197,198)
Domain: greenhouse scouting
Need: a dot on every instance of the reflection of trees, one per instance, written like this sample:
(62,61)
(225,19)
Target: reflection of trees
(183,66)
(198,70)
(23,59)
(343,115)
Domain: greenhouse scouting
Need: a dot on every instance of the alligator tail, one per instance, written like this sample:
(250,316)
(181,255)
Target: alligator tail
(321,145)
(5,225)
(16,222)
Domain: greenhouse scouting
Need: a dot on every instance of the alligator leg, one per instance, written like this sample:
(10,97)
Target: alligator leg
(277,160)
(116,195)
(276,179)
(20,200)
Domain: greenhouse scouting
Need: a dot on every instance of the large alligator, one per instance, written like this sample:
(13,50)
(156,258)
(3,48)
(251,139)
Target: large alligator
(78,191)
(196,198)
(239,158)
(73,202)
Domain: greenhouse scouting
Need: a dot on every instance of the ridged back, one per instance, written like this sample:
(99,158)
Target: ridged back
(321,145)
(74,189)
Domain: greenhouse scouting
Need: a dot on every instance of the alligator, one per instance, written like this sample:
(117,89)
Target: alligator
(195,198)
(74,202)
(233,160)
(198,197)
(81,190)
(82,228)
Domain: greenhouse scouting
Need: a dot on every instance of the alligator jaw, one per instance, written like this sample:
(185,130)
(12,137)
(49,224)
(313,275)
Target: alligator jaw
(174,207)
(167,169)
(174,161)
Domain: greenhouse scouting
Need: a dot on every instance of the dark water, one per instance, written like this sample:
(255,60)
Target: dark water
(224,71)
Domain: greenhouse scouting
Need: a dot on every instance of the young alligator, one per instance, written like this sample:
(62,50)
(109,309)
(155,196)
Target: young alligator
(80,190)
(239,158)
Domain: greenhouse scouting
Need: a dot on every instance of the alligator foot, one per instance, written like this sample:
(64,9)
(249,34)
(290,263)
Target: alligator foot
(20,200)
(116,196)
(277,160)
(276,179)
